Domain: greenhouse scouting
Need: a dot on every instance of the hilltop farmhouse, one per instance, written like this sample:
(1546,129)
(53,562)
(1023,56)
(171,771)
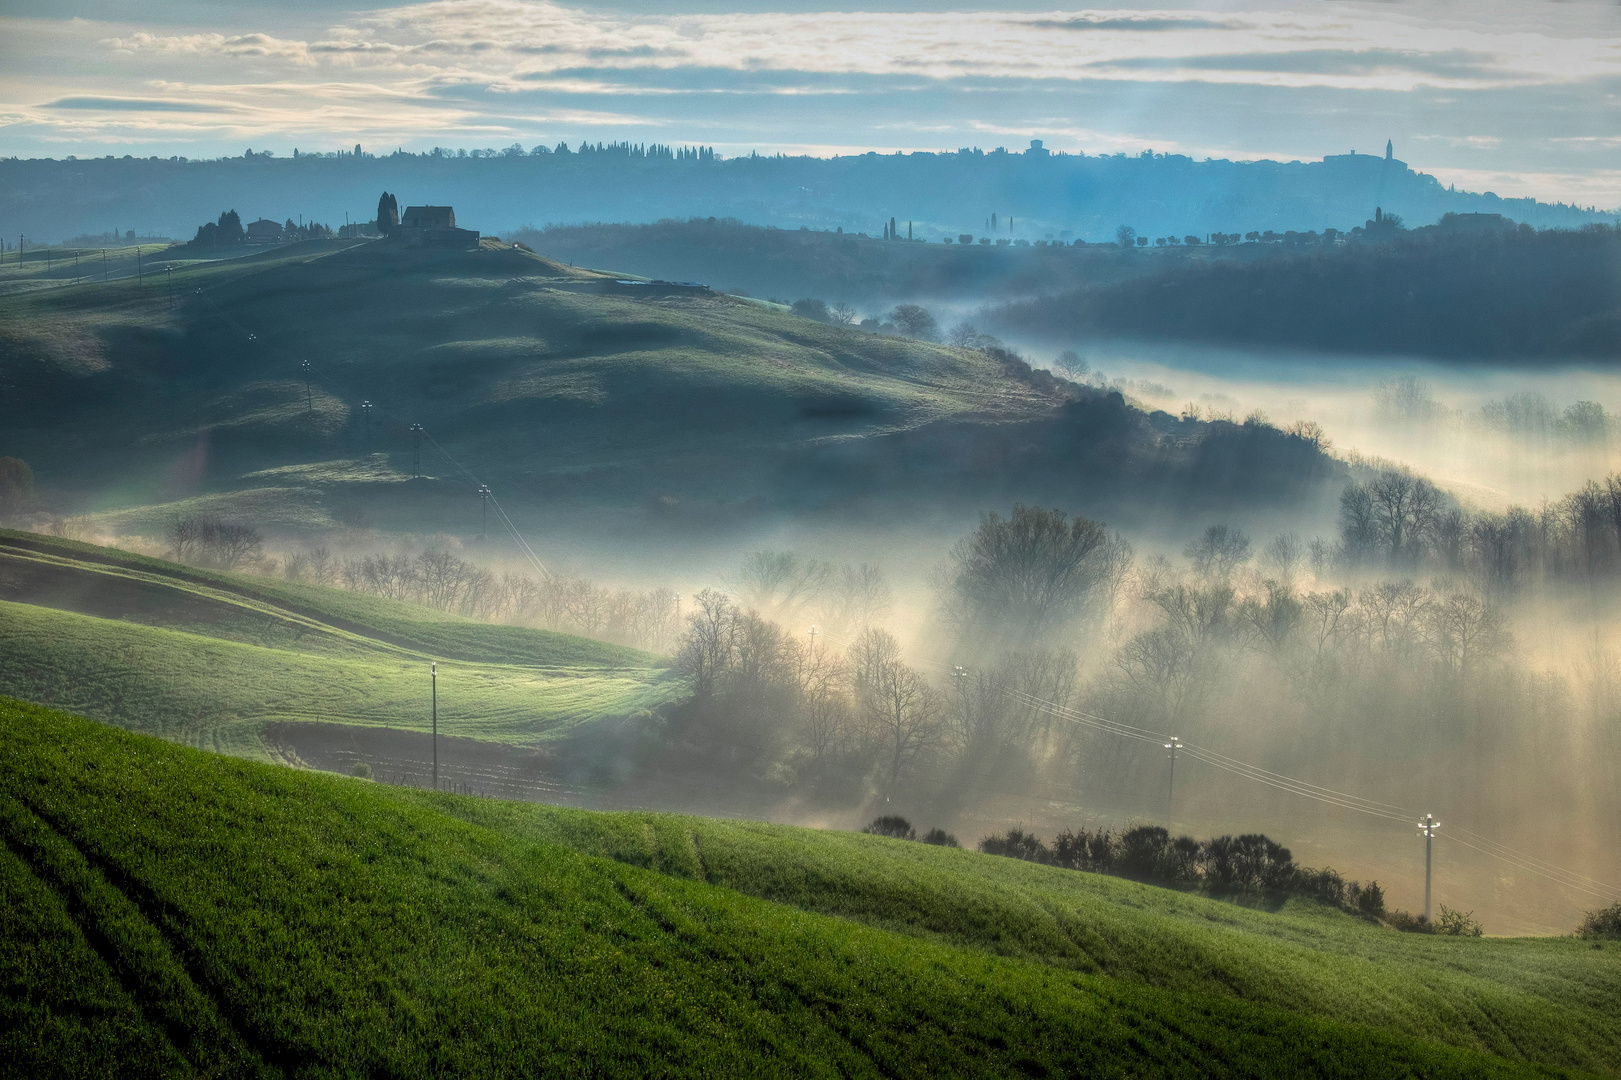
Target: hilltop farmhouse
(422,226)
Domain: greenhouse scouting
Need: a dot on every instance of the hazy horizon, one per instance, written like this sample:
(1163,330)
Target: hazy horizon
(1506,99)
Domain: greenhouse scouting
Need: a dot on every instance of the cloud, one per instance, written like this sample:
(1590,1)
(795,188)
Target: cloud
(1249,81)
(112,104)
(1136,24)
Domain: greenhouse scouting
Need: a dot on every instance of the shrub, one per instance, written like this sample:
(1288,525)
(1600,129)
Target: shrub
(1408,923)
(811,308)
(1369,899)
(893,826)
(1016,844)
(1082,850)
(1149,853)
(1602,925)
(1248,863)
(362,770)
(940,838)
(1458,923)
(1325,885)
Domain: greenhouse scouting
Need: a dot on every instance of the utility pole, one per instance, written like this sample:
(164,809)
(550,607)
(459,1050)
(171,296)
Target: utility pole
(168,277)
(1170,790)
(484,509)
(416,451)
(678,613)
(309,395)
(104,266)
(365,415)
(959,676)
(140,275)
(1426,829)
(433,673)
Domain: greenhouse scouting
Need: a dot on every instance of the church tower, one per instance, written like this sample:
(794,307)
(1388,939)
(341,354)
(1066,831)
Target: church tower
(1390,150)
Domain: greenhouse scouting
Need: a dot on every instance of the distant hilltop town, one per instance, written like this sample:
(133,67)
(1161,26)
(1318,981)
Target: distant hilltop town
(418,227)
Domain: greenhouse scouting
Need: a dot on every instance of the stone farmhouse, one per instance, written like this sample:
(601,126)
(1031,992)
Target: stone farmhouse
(422,226)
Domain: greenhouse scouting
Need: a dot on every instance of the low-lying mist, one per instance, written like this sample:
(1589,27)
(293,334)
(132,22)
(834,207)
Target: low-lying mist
(1418,654)
(1493,435)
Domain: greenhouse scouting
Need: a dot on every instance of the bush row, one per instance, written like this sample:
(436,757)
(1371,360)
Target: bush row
(1247,865)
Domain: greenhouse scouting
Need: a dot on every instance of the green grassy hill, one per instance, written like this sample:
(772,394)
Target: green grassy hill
(558,386)
(520,365)
(209,659)
(177,913)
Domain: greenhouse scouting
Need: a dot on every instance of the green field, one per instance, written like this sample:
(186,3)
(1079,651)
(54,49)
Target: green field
(176,913)
(207,658)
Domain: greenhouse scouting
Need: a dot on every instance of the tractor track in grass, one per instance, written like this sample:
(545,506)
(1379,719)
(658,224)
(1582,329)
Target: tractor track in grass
(133,933)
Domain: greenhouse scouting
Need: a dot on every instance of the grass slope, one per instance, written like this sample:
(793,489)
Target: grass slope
(519,365)
(250,920)
(208,658)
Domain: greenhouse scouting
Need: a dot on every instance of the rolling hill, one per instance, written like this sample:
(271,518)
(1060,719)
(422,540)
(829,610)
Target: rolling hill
(259,668)
(560,387)
(178,913)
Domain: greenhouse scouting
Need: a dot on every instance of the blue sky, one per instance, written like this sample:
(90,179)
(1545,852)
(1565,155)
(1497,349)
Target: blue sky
(1520,99)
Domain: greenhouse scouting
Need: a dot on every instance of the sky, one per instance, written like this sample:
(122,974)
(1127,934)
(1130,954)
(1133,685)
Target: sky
(1520,99)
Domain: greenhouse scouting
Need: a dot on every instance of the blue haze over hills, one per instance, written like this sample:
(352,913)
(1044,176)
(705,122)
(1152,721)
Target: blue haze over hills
(1034,194)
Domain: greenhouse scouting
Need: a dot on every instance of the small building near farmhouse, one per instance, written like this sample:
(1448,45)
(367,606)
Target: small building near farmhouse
(264,231)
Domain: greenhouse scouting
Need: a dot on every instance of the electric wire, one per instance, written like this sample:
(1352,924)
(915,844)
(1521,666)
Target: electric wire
(1329,796)
(517,536)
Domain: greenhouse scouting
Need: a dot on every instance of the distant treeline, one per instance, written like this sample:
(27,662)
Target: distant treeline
(863,271)
(1398,521)
(996,191)
(1509,294)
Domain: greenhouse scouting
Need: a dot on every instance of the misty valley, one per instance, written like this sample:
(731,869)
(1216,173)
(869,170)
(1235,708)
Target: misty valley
(755,633)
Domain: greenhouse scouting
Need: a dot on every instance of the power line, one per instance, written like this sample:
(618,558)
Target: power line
(1318,793)
(517,536)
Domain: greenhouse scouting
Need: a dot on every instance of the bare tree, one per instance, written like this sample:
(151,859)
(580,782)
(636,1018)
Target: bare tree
(822,682)
(319,561)
(1218,552)
(1283,557)
(186,537)
(841,314)
(1114,559)
(1070,363)
(1404,509)
(1393,613)
(1028,574)
(861,596)
(1325,618)
(781,583)
(232,545)
(1273,621)
(1465,630)
(900,708)
(915,321)
(1359,530)
(711,636)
